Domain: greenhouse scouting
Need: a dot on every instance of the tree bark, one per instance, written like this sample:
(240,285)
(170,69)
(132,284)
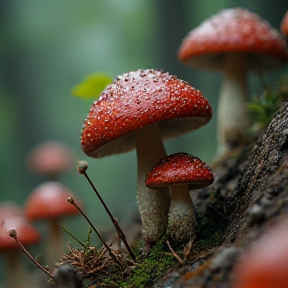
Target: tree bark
(251,193)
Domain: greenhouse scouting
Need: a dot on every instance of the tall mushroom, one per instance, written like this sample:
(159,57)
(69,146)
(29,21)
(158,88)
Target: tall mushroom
(235,41)
(48,201)
(180,172)
(140,108)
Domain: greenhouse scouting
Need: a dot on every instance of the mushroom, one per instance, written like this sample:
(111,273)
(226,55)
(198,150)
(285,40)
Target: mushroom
(284,26)
(9,209)
(50,158)
(235,40)
(16,273)
(180,172)
(140,108)
(48,201)
(265,263)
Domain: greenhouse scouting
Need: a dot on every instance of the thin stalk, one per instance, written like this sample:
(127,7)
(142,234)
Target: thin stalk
(72,236)
(13,234)
(71,201)
(113,219)
(174,253)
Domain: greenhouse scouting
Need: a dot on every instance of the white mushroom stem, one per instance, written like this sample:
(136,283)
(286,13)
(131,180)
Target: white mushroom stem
(16,271)
(54,244)
(181,216)
(233,118)
(153,203)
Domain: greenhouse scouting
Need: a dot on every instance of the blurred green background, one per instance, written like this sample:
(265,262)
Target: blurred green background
(48,47)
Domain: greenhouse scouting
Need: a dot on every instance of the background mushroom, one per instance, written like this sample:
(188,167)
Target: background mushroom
(50,158)
(9,209)
(284,26)
(141,108)
(265,264)
(235,41)
(48,201)
(16,274)
(178,171)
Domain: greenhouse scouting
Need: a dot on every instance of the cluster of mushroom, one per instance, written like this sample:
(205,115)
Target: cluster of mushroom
(47,201)
(141,109)
(235,41)
(144,107)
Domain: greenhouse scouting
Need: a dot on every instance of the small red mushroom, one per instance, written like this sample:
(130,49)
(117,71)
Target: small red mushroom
(16,273)
(265,265)
(48,201)
(50,158)
(140,108)
(235,41)
(180,172)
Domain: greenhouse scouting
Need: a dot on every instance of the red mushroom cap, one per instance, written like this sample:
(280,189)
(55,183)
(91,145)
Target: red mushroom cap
(9,209)
(49,200)
(284,25)
(180,168)
(266,263)
(234,30)
(26,233)
(138,99)
(50,157)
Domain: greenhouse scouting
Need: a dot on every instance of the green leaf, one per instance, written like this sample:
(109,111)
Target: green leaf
(262,108)
(92,86)
(255,107)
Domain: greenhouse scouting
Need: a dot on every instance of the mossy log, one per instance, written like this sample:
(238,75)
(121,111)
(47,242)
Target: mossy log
(250,193)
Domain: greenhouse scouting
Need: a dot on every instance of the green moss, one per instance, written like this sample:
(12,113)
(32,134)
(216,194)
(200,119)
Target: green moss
(152,267)
(209,231)
(144,274)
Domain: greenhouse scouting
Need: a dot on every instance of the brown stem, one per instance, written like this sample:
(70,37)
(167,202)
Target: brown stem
(174,253)
(113,219)
(13,234)
(71,201)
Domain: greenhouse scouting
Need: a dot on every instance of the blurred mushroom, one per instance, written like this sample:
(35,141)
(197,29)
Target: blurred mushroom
(16,274)
(265,265)
(284,26)
(10,209)
(141,108)
(235,41)
(48,201)
(50,158)
(180,172)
